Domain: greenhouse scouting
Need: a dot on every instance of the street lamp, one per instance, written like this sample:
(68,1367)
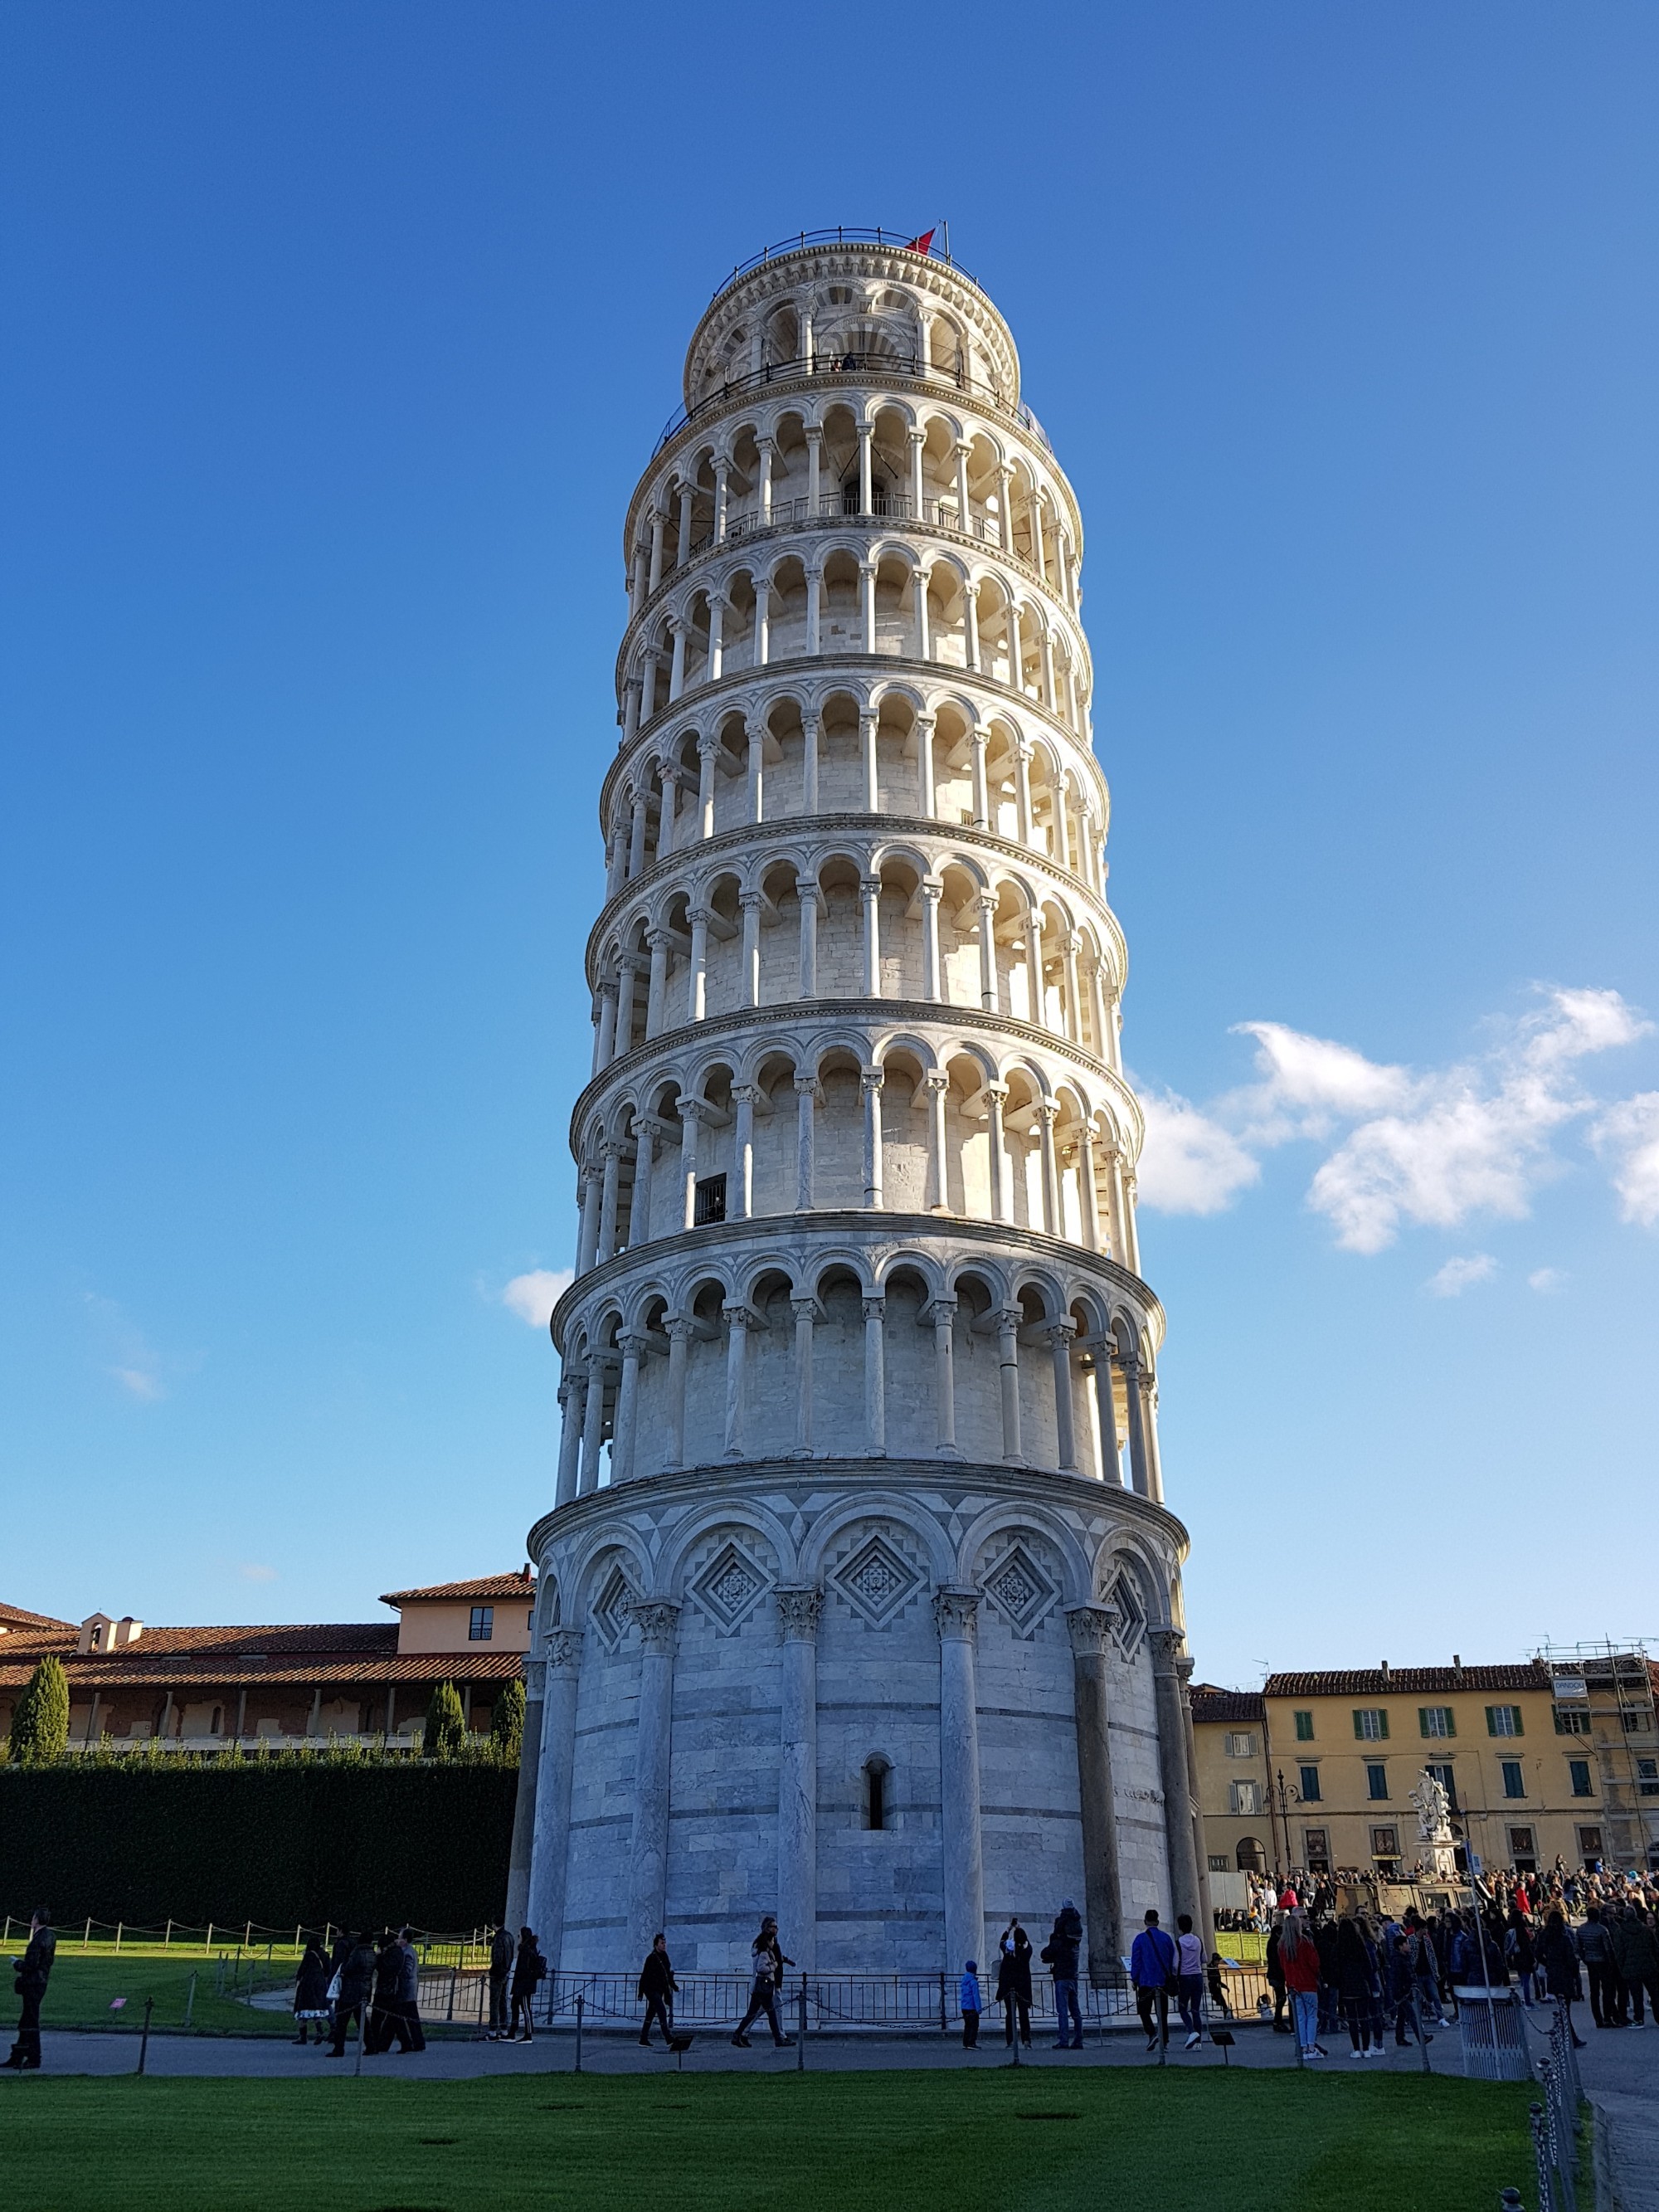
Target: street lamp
(1287,1795)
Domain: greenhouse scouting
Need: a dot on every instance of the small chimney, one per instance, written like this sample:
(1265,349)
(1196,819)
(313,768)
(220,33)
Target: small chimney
(125,1630)
(1457,1666)
(1385,1670)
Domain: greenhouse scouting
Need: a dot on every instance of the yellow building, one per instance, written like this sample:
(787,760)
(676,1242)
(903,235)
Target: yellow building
(1556,1758)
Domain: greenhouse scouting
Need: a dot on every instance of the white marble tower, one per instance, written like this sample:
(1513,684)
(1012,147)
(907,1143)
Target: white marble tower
(858,1601)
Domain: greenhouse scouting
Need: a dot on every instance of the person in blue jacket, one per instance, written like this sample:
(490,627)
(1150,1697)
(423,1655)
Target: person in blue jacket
(971,2003)
(1152,1964)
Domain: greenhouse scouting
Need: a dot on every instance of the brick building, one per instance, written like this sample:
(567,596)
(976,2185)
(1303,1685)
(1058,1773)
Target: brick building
(354,1682)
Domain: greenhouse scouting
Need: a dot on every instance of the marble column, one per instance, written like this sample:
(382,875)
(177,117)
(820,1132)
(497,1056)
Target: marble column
(798,1776)
(1184,1895)
(942,1313)
(634,1349)
(592,1424)
(805,1311)
(806,1095)
(875,1377)
(1010,1321)
(1059,1340)
(573,1403)
(647,1857)
(521,1853)
(1106,1405)
(745,1097)
(738,1322)
(1091,1627)
(679,1346)
(956,1613)
(549,1851)
(1140,1480)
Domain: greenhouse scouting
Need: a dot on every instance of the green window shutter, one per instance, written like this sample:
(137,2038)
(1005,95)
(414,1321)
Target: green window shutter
(1304,1727)
(1359,1725)
(1382,1726)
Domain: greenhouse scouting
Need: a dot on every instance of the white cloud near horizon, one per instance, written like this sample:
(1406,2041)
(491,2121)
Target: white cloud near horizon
(1457,1276)
(1429,1149)
(533,1295)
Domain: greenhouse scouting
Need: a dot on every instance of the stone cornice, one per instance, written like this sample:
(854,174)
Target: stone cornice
(912,828)
(863,1013)
(841,1225)
(796,675)
(843,1479)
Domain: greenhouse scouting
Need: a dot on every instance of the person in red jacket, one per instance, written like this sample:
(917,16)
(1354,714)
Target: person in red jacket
(1299,1957)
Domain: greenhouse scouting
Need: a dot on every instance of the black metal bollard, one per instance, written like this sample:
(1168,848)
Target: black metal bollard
(143,2040)
(579,2032)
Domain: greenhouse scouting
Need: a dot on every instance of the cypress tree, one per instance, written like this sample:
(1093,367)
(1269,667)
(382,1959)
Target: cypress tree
(506,1723)
(39,1726)
(446,1732)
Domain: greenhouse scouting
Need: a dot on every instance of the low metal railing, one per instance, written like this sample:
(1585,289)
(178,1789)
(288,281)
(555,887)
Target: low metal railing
(844,234)
(832,507)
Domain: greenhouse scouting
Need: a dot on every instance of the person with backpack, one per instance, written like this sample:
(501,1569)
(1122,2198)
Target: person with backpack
(657,1986)
(1153,1964)
(1059,1956)
(529,1971)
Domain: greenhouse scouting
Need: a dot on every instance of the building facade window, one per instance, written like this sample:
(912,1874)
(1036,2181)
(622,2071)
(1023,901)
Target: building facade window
(1246,1798)
(1589,1844)
(1370,1724)
(482,1626)
(1571,1720)
(1436,1720)
(1310,1790)
(1578,1777)
(1241,1746)
(1647,1777)
(1304,1727)
(1515,1782)
(1317,1846)
(1377,1780)
(1523,1851)
(1385,1843)
(1504,1719)
(878,1796)
(1445,1774)
(1219,1862)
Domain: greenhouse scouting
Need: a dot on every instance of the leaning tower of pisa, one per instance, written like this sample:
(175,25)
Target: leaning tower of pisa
(859,1598)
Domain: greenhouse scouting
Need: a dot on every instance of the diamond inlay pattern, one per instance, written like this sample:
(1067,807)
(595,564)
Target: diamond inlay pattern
(730,1587)
(1020,1590)
(877,1582)
(611,1608)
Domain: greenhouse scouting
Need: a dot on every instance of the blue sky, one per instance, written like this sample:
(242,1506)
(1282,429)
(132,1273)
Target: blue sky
(337,339)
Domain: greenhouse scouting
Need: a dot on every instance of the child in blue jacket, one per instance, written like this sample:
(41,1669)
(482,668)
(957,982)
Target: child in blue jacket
(967,1998)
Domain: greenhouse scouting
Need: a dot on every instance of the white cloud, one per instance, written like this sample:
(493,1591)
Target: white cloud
(1544,1279)
(1458,1275)
(1433,1148)
(139,1382)
(1629,1132)
(533,1296)
(1189,1164)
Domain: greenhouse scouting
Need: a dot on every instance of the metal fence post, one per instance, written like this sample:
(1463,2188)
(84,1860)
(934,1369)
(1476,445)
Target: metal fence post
(190,1997)
(579,2032)
(143,2040)
(801,2038)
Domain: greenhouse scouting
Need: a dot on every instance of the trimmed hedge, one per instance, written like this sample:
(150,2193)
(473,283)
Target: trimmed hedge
(144,1842)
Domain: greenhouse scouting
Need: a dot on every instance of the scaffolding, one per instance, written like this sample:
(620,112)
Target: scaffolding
(1611,1686)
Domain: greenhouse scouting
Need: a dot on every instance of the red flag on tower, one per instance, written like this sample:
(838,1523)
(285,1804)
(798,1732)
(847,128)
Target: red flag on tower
(922,245)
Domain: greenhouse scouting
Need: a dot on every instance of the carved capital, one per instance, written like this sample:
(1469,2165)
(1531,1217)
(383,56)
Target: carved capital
(798,1611)
(955,1614)
(872,1078)
(1062,1331)
(1091,1628)
(806,1086)
(562,1649)
(633,1347)
(875,1309)
(535,1680)
(1166,1645)
(656,1619)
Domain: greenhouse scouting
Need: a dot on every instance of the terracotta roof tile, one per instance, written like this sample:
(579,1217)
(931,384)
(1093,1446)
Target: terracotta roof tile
(1213,1705)
(130,1670)
(14,1617)
(502,1586)
(1407,1681)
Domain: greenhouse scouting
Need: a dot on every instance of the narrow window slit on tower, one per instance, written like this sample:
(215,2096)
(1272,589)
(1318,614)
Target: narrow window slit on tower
(710,1202)
(875,1772)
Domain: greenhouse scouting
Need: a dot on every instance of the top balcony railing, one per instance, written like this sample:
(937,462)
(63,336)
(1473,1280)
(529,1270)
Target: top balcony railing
(833,507)
(910,367)
(896,240)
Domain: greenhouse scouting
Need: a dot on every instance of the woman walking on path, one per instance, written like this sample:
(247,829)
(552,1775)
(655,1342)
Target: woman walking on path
(769,1961)
(1014,1983)
(311,1990)
(1298,1954)
(357,1980)
(657,1987)
(529,1969)
(1560,1963)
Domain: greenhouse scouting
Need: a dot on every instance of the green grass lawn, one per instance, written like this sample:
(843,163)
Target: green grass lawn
(1025,2141)
(81,1989)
